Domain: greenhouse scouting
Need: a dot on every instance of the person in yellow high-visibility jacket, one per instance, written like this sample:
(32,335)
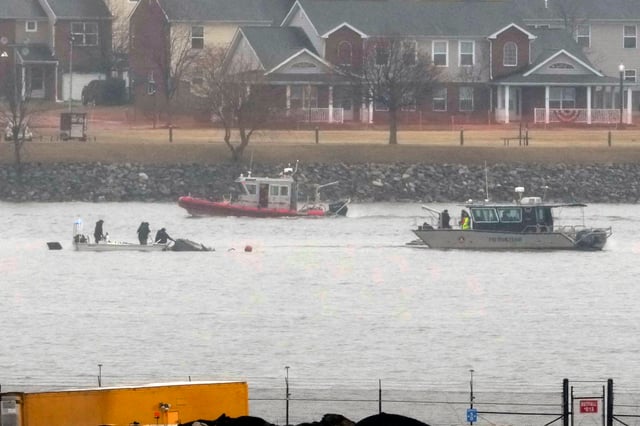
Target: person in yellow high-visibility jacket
(465,221)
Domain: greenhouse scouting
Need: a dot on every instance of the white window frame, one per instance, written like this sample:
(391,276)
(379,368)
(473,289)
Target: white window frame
(434,53)
(80,38)
(379,105)
(197,38)
(626,37)
(31,30)
(466,99)
(630,75)
(152,86)
(342,46)
(439,94)
(582,36)
(382,51)
(504,54)
(562,97)
(473,53)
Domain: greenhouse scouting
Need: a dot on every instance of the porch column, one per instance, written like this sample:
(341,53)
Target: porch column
(506,104)
(363,110)
(330,104)
(629,107)
(499,103)
(613,97)
(546,104)
(588,104)
(371,111)
(288,99)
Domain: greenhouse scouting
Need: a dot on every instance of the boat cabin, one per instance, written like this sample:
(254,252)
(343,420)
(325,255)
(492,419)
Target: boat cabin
(529,215)
(267,193)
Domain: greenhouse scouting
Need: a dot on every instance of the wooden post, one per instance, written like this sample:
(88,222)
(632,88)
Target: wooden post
(461,137)
(609,138)
(317,135)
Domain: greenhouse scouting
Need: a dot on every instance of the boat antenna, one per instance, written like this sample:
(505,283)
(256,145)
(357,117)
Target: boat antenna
(486,182)
(296,169)
(250,164)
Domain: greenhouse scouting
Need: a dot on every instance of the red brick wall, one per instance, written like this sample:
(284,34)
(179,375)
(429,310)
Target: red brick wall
(149,35)
(85,58)
(350,36)
(8,30)
(521,40)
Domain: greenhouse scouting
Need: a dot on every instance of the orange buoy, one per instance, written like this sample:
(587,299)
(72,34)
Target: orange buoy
(248,248)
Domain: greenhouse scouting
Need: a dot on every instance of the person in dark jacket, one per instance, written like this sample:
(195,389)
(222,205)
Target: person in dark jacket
(98,233)
(445,218)
(143,233)
(162,237)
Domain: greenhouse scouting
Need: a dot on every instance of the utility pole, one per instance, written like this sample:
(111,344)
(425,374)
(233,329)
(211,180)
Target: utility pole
(99,375)
(287,395)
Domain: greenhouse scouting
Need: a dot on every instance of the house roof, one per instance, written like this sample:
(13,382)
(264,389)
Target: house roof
(35,53)
(550,41)
(451,18)
(244,11)
(559,80)
(21,9)
(72,9)
(628,10)
(274,45)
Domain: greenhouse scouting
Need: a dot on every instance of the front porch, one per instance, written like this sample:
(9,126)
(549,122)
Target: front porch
(602,104)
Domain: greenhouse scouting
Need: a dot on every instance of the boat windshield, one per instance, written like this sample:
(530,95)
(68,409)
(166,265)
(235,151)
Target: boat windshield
(247,188)
(484,215)
(510,215)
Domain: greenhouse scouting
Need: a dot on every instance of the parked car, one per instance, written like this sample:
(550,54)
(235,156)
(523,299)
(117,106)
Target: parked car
(104,92)
(8,132)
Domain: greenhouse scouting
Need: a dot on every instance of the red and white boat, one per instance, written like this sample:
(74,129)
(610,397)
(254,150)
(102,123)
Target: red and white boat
(266,197)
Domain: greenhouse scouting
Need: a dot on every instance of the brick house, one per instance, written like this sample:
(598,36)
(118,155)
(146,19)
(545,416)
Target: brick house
(500,60)
(35,38)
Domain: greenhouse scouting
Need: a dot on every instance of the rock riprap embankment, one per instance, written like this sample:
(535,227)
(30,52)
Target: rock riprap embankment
(611,183)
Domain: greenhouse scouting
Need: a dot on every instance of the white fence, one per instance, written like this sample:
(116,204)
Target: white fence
(578,115)
(319,115)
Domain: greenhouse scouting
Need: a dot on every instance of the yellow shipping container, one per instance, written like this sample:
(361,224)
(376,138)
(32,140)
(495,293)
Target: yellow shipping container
(153,404)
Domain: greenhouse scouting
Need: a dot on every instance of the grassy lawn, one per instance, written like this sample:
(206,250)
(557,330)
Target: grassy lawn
(114,137)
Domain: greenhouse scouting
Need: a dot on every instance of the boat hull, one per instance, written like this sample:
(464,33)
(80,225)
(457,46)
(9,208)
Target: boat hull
(594,239)
(105,247)
(201,207)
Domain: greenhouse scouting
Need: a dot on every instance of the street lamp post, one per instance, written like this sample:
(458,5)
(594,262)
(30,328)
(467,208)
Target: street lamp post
(287,395)
(621,69)
(70,70)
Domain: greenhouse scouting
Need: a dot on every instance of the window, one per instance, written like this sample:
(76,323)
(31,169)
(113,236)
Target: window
(630,75)
(284,191)
(344,54)
(380,104)
(409,52)
(583,35)
(562,97)
(197,37)
(409,103)
(484,215)
(510,54)
(467,50)
(274,190)
(441,53)
(304,97)
(466,99)
(440,99)
(561,66)
(382,55)
(31,26)
(151,84)
(510,215)
(84,33)
(251,188)
(629,38)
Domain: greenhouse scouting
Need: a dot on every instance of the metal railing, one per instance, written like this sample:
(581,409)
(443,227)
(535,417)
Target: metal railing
(578,115)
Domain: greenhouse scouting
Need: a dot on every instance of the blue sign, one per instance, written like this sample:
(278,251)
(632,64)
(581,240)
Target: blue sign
(472,415)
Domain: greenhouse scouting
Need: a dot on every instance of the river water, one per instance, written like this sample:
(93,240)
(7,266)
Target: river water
(342,302)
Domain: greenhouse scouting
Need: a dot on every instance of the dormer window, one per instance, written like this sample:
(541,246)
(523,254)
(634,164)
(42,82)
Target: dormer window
(84,33)
(510,54)
(344,54)
(31,26)
(197,37)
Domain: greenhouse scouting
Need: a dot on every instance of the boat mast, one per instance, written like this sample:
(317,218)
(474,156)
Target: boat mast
(486,182)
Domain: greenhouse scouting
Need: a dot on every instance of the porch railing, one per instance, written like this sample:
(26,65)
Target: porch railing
(578,115)
(318,115)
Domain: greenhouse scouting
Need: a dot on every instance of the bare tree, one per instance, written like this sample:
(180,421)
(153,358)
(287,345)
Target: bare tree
(173,64)
(237,97)
(397,75)
(571,13)
(15,110)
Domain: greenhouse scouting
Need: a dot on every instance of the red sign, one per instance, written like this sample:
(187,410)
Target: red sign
(588,405)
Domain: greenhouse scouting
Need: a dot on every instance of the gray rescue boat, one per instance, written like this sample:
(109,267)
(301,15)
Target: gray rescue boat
(526,224)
